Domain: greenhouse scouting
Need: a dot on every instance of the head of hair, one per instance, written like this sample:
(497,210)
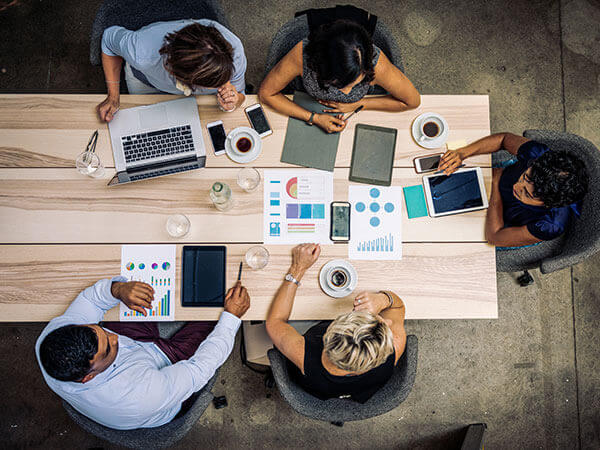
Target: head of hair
(358,342)
(559,178)
(198,56)
(339,53)
(67,351)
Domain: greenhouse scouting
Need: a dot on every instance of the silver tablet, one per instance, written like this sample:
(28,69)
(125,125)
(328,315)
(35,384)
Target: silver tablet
(461,192)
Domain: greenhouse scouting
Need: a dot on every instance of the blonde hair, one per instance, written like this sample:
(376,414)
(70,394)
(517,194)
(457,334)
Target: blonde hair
(358,341)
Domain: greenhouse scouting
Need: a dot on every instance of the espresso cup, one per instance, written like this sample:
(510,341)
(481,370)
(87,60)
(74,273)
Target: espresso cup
(243,144)
(338,278)
(431,128)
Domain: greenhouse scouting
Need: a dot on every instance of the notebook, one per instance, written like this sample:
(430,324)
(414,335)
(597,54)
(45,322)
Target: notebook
(415,201)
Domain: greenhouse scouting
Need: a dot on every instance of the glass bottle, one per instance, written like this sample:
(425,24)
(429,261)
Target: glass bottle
(220,194)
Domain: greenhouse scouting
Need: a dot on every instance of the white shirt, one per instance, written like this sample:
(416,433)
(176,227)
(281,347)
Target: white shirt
(141,388)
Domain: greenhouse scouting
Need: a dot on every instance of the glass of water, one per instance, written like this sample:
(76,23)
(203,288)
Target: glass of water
(257,257)
(248,178)
(178,225)
(89,164)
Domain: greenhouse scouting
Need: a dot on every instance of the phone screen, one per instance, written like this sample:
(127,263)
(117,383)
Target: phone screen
(217,136)
(258,120)
(429,163)
(340,222)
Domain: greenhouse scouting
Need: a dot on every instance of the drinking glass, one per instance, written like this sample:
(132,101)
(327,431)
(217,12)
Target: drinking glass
(89,164)
(178,225)
(248,178)
(257,257)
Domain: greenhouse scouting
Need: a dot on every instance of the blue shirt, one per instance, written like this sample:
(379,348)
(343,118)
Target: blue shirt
(543,223)
(141,388)
(141,50)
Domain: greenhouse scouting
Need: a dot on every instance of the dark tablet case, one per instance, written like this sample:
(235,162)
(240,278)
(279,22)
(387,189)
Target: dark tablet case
(203,275)
(373,155)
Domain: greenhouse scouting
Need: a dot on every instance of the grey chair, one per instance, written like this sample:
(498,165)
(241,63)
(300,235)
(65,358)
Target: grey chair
(297,29)
(157,437)
(582,238)
(338,411)
(135,14)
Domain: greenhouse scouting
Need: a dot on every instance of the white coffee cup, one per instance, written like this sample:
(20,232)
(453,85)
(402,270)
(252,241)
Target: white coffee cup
(338,278)
(431,128)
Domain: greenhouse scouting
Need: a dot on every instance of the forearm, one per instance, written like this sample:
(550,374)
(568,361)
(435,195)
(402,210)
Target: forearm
(385,103)
(494,220)
(112,73)
(241,100)
(283,105)
(396,300)
(483,146)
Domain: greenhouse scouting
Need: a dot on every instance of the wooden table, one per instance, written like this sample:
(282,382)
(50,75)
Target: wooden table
(61,231)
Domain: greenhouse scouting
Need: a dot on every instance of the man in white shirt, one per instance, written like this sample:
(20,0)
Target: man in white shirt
(126,383)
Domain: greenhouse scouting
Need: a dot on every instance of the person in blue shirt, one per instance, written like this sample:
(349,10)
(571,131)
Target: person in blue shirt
(183,57)
(122,374)
(532,200)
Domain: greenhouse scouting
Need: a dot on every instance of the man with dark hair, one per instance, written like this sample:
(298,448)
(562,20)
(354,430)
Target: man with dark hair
(535,197)
(183,57)
(132,378)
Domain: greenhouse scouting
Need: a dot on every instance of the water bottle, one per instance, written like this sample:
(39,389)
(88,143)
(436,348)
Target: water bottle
(220,194)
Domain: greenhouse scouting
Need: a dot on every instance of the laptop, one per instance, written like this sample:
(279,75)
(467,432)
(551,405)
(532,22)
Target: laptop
(156,140)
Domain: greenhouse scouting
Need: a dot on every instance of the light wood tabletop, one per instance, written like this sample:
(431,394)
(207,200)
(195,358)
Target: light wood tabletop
(62,231)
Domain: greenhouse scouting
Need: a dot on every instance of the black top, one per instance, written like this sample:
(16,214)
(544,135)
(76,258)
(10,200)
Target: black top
(320,383)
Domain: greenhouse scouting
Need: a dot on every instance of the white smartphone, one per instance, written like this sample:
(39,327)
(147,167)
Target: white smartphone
(427,163)
(258,120)
(216,130)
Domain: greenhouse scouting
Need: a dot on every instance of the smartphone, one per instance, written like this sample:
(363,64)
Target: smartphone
(216,130)
(258,120)
(340,222)
(427,163)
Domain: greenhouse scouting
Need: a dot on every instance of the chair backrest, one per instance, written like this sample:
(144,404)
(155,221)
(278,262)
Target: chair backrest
(135,14)
(150,438)
(394,392)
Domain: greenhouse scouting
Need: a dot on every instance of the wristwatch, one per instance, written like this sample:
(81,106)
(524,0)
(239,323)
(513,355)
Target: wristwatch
(310,120)
(290,277)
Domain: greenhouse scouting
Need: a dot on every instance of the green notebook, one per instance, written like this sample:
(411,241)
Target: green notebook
(415,201)
(309,146)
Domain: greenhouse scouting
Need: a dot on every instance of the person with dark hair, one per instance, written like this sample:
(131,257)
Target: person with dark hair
(338,63)
(534,198)
(124,375)
(183,57)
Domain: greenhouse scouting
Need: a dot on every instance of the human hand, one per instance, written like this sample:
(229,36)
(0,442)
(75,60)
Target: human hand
(331,124)
(108,108)
(304,256)
(237,300)
(373,302)
(135,294)
(450,161)
(227,97)
(338,107)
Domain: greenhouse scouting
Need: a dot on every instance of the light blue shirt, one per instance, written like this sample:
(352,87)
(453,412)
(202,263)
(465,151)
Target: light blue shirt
(141,388)
(141,50)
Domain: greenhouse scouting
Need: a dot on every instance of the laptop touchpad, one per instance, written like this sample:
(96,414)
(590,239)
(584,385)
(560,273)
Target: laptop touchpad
(152,118)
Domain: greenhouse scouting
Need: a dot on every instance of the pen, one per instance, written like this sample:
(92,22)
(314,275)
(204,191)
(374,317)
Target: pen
(440,171)
(357,110)
(240,272)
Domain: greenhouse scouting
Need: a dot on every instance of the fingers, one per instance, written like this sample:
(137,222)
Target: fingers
(229,294)
(317,251)
(139,309)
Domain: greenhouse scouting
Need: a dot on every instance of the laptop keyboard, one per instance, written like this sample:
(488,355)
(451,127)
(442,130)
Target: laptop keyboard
(158,173)
(155,144)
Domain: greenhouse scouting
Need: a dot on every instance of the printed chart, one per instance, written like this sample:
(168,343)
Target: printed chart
(375,222)
(296,206)
(155,265)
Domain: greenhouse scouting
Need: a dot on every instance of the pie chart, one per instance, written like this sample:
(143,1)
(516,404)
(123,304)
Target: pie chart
(292,187)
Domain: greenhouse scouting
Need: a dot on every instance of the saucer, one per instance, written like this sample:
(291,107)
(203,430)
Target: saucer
(323,278)
(234,153)
(430,143)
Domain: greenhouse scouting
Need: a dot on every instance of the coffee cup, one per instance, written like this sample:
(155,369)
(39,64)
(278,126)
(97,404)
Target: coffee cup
(243,144)
(431,128)
(338,278)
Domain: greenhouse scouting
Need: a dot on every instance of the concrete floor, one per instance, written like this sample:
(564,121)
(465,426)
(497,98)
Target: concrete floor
(532,375)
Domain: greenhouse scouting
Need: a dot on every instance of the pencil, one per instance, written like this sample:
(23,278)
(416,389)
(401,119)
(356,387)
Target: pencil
(357,110)
(240,272)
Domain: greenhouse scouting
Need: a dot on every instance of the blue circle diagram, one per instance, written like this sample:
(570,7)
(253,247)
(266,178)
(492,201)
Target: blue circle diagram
(374,193)
(374,207)
(360,206)
(389,207)
(374,221)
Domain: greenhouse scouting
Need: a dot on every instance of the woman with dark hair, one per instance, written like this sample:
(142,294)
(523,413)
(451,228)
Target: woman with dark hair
(338,64)
(535,197)
(184,57)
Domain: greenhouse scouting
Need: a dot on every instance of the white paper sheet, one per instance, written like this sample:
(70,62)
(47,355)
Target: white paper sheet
(375,222)
(155,265)
(296,206)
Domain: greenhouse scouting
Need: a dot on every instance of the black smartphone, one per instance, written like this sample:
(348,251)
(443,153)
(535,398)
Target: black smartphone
(340,222)
(216,130)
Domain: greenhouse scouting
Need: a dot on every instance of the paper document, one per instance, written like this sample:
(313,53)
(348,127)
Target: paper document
(155,265)
(296,206)
(375,222)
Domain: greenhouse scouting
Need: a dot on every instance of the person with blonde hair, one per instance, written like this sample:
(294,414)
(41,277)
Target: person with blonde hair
(350,357)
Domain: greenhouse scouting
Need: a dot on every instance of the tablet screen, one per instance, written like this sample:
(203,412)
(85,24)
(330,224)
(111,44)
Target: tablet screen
(373,154)
(455,192)
(203,276)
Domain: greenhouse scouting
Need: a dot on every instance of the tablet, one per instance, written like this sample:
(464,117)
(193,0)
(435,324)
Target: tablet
(373,155)
(203,275)
(461,192)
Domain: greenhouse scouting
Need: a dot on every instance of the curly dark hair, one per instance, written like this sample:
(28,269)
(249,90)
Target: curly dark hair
(199,56)
(559,178)
(67,351)
(339,52)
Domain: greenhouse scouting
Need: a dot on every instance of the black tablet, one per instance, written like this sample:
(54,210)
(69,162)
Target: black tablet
(373,155)
(203,279)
